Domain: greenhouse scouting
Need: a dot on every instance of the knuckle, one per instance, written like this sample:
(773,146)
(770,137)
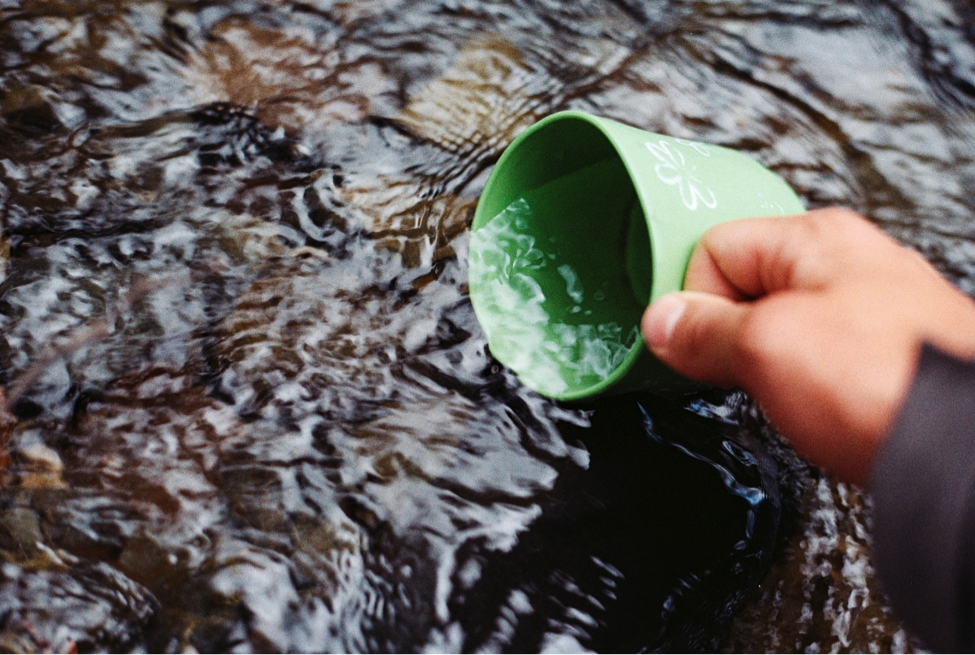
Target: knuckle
(837,218)
(836,225)
(758,343)
(751,342)
(844,215)
(698,334)
(833,240)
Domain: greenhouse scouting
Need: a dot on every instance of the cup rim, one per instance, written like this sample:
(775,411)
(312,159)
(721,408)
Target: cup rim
(635,351)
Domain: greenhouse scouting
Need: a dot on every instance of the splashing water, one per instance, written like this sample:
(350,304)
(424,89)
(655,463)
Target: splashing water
(548,354)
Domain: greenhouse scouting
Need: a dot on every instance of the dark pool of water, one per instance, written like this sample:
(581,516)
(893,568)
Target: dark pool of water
(248,406)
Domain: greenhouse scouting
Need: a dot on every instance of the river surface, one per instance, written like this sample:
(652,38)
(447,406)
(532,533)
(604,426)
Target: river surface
(247,406)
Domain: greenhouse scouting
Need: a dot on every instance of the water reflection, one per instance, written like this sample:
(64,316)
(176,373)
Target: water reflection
(251,408)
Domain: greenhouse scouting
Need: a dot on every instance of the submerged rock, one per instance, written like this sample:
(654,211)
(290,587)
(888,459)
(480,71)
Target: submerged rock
(251,408)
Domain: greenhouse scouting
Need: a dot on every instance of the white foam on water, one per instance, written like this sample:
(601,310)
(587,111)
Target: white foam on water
(548,354)
(572,284)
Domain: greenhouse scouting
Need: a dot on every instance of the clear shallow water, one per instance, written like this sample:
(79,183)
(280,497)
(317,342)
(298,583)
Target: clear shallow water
(251,407)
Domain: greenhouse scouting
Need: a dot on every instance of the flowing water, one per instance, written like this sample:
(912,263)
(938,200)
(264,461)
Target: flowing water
(247,404)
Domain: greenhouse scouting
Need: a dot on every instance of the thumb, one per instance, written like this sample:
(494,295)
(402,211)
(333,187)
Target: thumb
(695,334)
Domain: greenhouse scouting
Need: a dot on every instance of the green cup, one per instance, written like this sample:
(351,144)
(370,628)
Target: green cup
(585,221)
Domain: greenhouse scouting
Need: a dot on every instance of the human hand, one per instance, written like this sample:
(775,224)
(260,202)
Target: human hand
(819,317)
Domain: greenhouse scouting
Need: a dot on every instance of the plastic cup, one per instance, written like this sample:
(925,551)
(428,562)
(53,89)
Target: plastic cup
(582,223)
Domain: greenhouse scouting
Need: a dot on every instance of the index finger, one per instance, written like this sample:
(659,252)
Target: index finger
(753,257)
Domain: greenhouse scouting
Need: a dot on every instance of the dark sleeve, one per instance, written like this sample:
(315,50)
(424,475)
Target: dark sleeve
(924,505)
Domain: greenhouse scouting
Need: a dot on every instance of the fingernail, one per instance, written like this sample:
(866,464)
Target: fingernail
(662,318)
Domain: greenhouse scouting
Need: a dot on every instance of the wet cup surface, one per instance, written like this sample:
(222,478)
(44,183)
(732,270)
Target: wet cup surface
(583,222)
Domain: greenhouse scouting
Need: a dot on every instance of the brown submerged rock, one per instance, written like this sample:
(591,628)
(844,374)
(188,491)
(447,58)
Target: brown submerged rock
(304,445)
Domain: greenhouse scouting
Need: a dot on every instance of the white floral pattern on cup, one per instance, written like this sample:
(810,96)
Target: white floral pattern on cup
(675,170)
(700,147)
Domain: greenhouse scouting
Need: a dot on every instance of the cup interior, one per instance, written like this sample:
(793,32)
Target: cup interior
(560,260)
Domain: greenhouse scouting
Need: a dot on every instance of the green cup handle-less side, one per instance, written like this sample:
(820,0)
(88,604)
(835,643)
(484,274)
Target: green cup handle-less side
(607,217)
(686,187)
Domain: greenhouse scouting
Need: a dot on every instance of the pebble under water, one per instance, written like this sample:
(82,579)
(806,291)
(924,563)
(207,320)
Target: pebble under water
(246,404)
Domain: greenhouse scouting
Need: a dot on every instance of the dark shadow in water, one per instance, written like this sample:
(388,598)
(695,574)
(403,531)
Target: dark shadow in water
(655,545)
